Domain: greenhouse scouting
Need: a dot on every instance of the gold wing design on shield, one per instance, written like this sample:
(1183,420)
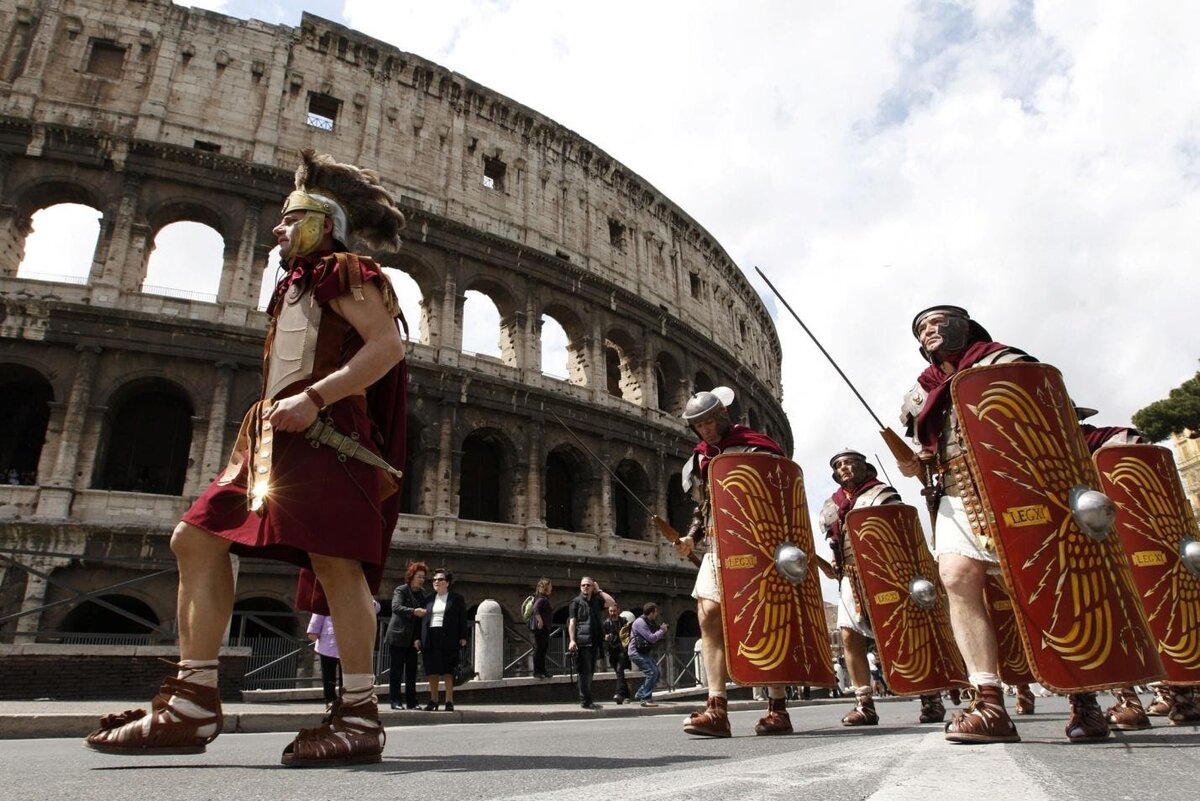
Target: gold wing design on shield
(918,641)
(1046,455)
(769,601)
(1173,602)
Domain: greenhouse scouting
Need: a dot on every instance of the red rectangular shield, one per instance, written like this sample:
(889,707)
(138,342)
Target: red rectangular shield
(774,630)
(912,629)
(1079,616)
(1014,667)
(1155,524)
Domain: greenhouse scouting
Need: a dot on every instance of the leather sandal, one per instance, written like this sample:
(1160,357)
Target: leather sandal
(932,709)
(1087,723)
(984,721)
(777,720)
(863,714)
(1163,703)
(164,729)
(1185,712)
(1026,700)
(1127,714)
(340,739)
(712,721)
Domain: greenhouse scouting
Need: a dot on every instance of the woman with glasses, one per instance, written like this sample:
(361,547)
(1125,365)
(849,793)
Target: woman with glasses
(408,609)
(443,636)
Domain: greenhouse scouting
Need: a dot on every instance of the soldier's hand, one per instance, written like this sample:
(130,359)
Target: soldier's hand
(684,545)
(294,413)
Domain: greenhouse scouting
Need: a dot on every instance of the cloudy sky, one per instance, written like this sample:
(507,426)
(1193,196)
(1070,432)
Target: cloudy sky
(1036,162)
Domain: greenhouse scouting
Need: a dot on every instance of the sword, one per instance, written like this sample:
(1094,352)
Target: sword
(900,450)
(323,433)
(667,531)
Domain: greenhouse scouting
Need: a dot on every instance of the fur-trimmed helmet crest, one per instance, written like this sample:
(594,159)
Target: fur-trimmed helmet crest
(327,186)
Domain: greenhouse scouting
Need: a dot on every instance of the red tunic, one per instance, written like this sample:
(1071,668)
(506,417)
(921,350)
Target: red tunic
(318,504)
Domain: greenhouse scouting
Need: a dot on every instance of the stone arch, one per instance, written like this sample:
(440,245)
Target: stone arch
(687,625)
(508,330)
(56,242)
(670,390)
(25,398)
(752,418)
(185,259)
(423,312)
(566,488)
(262,616)
(622,356)
(90,617)
(702,382)
(148,438)
(577,340)
(486,470)
(680,505)
(415,459)
(200,210)
(629,518)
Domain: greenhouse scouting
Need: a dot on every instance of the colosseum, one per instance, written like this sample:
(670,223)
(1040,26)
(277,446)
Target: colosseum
(121,399)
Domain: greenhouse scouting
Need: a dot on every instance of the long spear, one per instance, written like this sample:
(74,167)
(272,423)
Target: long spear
(667,531)
(900,450)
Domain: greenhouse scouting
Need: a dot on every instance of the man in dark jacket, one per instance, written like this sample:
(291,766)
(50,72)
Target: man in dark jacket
(585,617)
(618,660)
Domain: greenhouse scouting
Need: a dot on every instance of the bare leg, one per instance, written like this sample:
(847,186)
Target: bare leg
(449,688)
(435,683)
(855,647)
(712,645)
(351,608)
(964,580)
(205,591)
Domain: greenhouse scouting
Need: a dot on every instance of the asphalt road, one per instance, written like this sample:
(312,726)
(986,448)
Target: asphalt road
(643,758)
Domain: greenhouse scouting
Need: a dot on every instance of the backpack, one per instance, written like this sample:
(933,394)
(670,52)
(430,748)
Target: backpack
(625,634)
(527,608)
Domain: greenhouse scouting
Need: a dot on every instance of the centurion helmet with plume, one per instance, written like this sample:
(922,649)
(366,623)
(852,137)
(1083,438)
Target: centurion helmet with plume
(352,197)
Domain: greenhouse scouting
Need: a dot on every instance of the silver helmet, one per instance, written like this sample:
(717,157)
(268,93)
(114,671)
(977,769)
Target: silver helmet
(958,331)
(706,404)
(868,470)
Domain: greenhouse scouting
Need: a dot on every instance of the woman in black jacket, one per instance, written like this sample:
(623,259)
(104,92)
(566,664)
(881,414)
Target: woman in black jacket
(408,607)
(444,632)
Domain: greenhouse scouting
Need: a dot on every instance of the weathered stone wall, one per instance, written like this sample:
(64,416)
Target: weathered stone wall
(123,106)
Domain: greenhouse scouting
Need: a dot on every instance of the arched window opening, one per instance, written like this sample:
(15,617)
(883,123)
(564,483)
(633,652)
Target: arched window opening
(411,300)
(414,468)
(261,616)
(483,479)
(612,370)
(481,325)
(61,245)
(752,419)
(186,261)
(149,442)
(272,272)
(565,490)
(92,618)
(668,384)
(702,383)
(687,625)
(680,505)
(629,518)
(25,398)
(555,356)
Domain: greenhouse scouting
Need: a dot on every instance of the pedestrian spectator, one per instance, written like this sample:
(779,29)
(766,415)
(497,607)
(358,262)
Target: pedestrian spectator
(585,616)
(320,631)
(541,622)
(647,632)
(443,636)
(408,608)
(615,652)
(878,686)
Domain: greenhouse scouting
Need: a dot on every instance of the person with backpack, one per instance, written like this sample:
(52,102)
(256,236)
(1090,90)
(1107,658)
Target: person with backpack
(646,633)
(540,620)
(615,650)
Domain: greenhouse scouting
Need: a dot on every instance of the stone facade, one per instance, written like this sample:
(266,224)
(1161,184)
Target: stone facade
(153,113)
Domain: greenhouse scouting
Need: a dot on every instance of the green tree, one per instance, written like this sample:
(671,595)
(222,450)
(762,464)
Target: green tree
(1179,410)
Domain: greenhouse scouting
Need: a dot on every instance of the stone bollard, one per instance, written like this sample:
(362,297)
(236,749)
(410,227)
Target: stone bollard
(489,642)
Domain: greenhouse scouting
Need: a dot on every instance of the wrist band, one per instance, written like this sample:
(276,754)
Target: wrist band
(315,396)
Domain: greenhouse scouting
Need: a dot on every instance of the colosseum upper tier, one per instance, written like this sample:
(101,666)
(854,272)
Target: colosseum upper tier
(120,403)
